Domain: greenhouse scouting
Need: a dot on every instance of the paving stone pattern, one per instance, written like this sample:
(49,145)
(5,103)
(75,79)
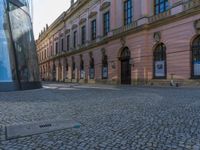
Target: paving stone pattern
(112,118)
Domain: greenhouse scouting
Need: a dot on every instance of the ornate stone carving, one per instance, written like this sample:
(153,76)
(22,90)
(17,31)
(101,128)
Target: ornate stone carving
(103,50)
(157,37)
(197,26)
(83,20)
(92,14)
(74,26)
(123,41)
(104,5)
(90,54)
(67,31)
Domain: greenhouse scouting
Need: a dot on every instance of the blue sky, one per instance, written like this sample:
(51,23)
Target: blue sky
(46,11)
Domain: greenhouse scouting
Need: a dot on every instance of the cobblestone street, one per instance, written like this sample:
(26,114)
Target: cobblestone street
(110,117)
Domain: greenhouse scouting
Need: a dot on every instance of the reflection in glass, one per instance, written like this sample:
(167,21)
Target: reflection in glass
(24,43)
(5,65)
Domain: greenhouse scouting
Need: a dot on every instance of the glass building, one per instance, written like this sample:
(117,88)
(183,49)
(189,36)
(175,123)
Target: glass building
(18,58)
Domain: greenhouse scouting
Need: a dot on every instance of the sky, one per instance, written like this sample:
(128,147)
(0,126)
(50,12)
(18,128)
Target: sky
(46,11)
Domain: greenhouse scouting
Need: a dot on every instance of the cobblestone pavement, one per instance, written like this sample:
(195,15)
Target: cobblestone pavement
(111,117)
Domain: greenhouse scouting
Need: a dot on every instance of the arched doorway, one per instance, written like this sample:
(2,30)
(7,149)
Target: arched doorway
(196,58)
(125,66)
(160,63)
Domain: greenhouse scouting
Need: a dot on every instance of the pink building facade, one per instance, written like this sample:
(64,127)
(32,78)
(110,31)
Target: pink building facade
(123,42)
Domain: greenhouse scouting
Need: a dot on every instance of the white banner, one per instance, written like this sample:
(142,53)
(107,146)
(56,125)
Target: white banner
(197,68)
(82,74)
(160,68)
(105,72)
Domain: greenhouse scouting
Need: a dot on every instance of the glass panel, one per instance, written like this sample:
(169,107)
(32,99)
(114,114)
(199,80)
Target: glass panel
(6,68)
(21,27)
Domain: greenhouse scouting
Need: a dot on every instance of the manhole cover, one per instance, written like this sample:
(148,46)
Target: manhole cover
(21,130)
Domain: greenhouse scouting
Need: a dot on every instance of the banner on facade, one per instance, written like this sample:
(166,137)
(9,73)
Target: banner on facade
(197,68)
(82,74)
(105,72)
(160,68)
(92,73)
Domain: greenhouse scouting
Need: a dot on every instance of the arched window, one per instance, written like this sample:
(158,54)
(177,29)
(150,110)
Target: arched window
(105,67)
(82,69)
(196,58)
(92,69)
(160,6)
(160,67)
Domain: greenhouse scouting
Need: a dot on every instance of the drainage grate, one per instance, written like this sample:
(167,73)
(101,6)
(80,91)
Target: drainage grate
(21,130)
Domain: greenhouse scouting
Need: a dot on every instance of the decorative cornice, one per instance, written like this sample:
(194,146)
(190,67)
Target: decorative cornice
(92,14)
(74,26)
(67,31)
(104,6)
(82,21)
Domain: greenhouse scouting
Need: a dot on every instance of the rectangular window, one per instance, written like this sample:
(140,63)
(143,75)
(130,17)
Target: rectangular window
(83,35)
(106,23)
(128,12)
(56,47)
(93,29)
(160,6)
(45,53)
(51,50)
(68,42)
(75,39)
(62,44)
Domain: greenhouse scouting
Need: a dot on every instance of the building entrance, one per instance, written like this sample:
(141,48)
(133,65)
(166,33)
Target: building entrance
(125,67)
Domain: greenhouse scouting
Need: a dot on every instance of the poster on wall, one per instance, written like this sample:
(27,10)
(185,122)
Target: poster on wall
(197,68)
(160,68)
(91,73)
(82,74)
(105,72)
